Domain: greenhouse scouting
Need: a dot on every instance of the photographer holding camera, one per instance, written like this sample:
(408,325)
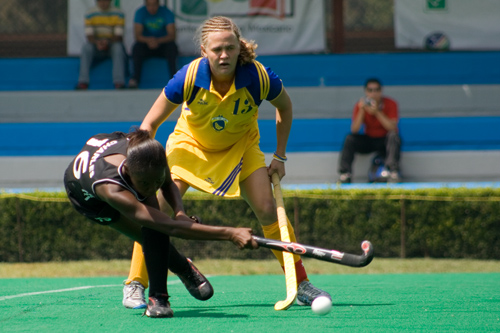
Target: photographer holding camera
(379,115)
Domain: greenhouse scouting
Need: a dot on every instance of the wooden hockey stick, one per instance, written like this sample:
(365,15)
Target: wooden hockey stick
(290,274)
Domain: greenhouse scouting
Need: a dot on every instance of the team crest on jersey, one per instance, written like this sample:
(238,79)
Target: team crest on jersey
(219,123)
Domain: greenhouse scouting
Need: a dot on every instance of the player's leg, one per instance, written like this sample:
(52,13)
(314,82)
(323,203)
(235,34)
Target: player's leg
(156,248)
(106,215)
(137,281)
(138,277)
(256,190)
(156,254)
(194,281)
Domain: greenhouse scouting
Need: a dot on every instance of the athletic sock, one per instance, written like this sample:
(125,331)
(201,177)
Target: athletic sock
(138,271)
(177,263)
(272,231)
(156,248)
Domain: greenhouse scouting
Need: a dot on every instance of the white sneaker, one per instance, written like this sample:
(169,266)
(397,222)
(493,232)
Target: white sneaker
(307,293)
(133,295)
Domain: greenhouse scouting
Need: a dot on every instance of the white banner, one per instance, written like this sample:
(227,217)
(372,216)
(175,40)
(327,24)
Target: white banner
(277,26)
(447,24)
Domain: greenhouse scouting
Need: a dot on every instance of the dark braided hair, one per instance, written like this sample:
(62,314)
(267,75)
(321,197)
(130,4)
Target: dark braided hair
(144,152)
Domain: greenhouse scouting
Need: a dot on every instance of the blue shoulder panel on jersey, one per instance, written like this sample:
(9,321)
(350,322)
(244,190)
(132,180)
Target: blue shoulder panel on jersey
(276,85)
(174,90)
(203,76)
(246,76)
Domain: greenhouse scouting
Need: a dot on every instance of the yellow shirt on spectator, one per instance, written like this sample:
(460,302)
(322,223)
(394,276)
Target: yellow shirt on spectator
(104,24)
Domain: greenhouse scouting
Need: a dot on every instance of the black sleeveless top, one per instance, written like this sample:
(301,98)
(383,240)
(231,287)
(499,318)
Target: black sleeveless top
(89,168)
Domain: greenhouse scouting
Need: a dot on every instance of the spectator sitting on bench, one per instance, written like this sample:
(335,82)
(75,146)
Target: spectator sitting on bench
(379,115)
(104,26)
(154,32)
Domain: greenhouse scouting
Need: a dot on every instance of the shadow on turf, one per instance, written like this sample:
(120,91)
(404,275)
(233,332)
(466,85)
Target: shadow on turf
(207,313)
(351,304)
(214,312)
(203,312)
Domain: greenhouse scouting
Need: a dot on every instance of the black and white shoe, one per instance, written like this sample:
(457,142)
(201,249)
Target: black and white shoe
(307,293)
(196,283)
(159,307)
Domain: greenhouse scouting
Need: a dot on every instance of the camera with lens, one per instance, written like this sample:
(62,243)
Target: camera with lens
(369,101)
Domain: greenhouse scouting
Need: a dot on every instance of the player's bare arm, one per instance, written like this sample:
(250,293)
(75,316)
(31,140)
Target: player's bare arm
(170,200)
(150,217)
(284,118)
(159,112)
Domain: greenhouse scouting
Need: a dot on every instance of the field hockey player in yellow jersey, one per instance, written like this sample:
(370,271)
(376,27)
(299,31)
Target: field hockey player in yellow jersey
(215,144)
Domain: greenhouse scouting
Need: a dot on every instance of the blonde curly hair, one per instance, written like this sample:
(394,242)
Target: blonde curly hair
(222,23)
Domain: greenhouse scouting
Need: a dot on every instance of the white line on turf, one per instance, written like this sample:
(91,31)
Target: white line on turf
(57,291)
(3,298)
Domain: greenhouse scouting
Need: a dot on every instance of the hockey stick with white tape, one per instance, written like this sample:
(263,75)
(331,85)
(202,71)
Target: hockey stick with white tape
(332,256)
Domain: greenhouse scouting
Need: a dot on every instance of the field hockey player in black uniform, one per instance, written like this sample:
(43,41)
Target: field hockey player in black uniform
(113,181)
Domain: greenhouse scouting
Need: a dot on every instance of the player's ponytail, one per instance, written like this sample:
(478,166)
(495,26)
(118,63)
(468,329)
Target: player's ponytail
(247,53)
(144,152)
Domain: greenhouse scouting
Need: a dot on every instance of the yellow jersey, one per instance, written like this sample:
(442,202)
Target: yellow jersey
(215,143)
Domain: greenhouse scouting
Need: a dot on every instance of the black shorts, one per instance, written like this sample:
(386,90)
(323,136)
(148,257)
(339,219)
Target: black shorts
(95,210)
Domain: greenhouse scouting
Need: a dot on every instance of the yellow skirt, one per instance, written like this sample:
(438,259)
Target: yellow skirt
(216,172)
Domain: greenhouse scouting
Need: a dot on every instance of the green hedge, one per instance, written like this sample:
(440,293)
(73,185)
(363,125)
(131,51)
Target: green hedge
(440,223)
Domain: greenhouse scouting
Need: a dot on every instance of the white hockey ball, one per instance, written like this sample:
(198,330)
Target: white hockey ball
(321,305)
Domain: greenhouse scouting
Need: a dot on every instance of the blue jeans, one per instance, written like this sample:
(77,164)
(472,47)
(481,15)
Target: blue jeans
(90,54)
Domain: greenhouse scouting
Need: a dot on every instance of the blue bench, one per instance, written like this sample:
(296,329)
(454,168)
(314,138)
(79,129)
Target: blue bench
(308,135)
(447,68)
(434,148)
(62,74)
